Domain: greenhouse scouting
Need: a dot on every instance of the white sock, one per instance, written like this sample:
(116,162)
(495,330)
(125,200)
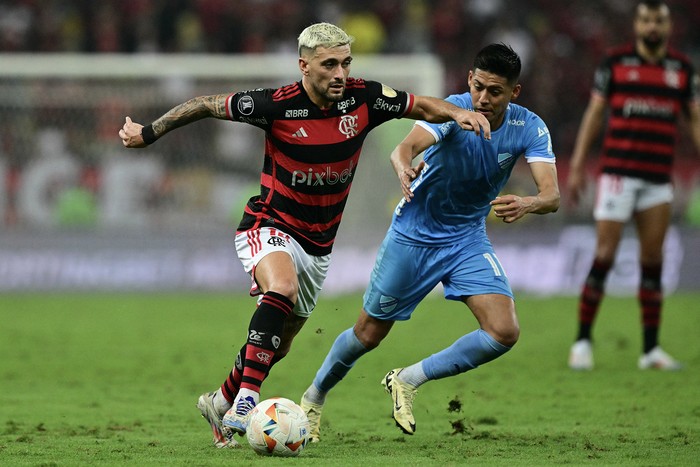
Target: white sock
(413,375)
(220,403)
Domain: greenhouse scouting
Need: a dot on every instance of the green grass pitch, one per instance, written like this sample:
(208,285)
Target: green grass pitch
(112,379)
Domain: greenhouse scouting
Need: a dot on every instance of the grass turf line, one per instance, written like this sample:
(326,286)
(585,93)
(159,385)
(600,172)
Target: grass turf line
(113,380)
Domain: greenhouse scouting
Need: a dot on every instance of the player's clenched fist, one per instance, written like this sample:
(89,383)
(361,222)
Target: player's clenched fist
(131,134)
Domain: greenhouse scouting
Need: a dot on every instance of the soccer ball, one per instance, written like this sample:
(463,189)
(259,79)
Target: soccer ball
(278,427)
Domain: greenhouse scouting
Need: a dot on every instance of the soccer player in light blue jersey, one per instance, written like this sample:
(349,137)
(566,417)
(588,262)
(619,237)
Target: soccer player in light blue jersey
(438,235)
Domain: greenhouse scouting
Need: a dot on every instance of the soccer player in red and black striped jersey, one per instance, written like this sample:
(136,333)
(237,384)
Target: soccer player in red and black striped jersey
(646,86)
(314,130)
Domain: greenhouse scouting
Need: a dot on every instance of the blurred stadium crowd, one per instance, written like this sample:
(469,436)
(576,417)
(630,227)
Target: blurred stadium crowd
(58,136)
(560,42)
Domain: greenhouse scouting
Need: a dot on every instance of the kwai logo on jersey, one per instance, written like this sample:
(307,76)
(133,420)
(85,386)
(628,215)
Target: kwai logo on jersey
(381,104)
(348,125)
(312,177)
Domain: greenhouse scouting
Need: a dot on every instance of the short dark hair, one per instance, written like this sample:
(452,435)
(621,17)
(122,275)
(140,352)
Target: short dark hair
(651,4)
(499,59)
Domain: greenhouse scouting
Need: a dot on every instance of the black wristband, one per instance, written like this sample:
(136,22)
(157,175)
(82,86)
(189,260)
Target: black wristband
(147,134)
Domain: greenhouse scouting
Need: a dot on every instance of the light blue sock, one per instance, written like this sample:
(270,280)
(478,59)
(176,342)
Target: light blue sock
(467,353)
(340,359)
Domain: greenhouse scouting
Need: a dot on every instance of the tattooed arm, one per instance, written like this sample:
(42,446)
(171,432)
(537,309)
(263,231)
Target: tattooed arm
(135,135)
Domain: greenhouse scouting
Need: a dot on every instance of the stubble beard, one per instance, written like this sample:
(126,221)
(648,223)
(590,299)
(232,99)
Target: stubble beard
(330,96)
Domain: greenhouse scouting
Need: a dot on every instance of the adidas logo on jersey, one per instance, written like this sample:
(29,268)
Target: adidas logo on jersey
(300,133)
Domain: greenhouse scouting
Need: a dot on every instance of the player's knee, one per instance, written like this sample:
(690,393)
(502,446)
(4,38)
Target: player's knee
(505,334)
(289,289)
(511,337)
(368,339)
(605,254)
(369,336)
(371,331)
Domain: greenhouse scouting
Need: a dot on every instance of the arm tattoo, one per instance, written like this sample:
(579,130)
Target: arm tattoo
(191,111)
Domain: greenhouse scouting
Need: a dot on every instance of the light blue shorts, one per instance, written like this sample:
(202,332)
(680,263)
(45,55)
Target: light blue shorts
(404,274)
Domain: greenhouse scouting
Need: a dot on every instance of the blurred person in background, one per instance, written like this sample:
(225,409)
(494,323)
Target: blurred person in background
(438,236)
(646,86)
(314,131)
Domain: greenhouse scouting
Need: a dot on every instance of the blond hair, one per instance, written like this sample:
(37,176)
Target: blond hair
(322,35)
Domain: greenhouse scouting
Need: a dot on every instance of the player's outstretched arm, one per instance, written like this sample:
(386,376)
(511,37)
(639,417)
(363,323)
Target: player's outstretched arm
(436,110)
(135,135)
(589,130)
(510,208)
(417,141)
(693,112)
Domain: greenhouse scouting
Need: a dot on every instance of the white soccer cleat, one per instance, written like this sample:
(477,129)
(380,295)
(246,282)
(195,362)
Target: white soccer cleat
(221,439)
(313,413)
(581,355)
(657,359)
(402,395)
(237,417)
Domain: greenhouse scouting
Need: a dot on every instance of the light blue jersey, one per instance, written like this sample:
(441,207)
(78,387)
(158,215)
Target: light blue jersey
(440,238)
(465,172)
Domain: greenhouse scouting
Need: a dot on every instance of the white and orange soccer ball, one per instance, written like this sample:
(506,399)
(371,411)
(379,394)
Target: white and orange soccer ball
(278,427)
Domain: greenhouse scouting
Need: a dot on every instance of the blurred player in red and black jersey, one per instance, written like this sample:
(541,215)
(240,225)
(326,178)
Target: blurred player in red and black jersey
(314,130)
(646,86)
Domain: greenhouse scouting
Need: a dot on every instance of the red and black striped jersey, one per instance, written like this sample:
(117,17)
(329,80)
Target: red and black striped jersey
(311,154)
(645,102)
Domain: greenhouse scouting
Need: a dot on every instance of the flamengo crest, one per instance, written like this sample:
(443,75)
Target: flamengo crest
(348,125)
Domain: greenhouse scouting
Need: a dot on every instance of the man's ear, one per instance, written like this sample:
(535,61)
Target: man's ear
(516,92)
(304,66)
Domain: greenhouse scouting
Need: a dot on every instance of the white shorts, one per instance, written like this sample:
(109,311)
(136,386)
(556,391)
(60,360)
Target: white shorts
(254,245)
(618,197)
